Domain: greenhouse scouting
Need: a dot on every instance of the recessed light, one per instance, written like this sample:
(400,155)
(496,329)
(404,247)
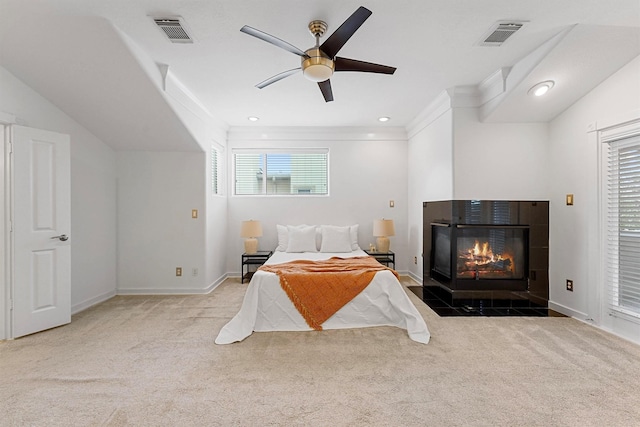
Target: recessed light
(541,88)
(253,118)
(383,119)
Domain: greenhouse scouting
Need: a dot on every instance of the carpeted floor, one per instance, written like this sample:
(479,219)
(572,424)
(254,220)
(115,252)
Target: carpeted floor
(151,361)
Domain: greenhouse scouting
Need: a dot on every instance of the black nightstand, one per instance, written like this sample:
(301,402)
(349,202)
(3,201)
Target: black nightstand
(256,259)
(385,258)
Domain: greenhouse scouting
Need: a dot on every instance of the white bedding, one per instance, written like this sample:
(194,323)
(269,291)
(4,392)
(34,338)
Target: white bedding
(266,307)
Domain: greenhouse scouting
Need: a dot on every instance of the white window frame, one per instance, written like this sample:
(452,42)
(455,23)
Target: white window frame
(608,133)
(267,151)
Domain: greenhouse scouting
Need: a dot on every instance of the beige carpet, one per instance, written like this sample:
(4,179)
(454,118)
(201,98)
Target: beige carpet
(151,360)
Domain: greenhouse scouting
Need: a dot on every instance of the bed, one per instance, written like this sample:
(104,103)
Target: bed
(266,307)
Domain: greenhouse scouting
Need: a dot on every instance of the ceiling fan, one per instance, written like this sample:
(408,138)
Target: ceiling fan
(319,62)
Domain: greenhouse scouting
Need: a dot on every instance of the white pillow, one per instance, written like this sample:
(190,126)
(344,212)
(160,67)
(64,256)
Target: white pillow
(283,238)
(283,235)
(354,237)
(335,239)
(302,239)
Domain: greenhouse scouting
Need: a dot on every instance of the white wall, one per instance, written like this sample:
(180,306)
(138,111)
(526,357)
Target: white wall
(156,233)
(430,177)
(207,131)
(217,219)
(93,192)
(573,166)
(367,170)
(498,161)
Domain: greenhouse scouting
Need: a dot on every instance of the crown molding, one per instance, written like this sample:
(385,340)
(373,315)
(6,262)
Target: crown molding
(464,96)
(303,133)
(494,85)
(430,113)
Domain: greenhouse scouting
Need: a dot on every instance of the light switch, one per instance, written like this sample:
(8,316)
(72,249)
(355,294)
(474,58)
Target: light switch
(194,213)
(392,204)
(569,199)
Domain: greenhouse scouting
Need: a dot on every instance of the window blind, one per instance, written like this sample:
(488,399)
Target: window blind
(215,171)
(623,226)
(281,172)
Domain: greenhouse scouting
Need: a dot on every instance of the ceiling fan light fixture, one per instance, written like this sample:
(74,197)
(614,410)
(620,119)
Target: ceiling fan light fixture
(320,62)
(317,67)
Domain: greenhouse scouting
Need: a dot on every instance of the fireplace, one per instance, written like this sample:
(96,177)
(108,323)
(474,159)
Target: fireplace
(475,248)
(480,257)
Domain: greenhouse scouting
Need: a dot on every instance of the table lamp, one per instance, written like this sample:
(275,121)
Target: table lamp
(250,230)
(382,228)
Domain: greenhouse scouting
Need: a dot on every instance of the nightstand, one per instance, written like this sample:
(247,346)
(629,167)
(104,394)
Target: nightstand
(256,260)
(385,258)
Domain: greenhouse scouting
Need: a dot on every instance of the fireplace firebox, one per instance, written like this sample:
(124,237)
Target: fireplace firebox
(487,248)
(478,257)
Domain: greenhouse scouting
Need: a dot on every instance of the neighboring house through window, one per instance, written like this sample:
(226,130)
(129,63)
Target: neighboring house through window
(281,172)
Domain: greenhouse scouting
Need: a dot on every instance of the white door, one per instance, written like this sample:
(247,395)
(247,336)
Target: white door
(41,273)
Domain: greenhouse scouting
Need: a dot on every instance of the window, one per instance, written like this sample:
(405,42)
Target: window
(281,172)
(623,224)
(216,161)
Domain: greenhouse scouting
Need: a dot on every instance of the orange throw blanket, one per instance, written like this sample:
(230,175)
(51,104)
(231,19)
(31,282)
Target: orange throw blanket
(318,289)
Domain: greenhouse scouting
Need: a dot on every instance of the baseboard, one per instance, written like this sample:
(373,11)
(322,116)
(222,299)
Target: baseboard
(568,311)
(415,277)
(77,308)
(173,291)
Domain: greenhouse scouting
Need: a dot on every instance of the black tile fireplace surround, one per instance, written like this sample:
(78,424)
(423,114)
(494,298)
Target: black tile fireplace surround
(476,249)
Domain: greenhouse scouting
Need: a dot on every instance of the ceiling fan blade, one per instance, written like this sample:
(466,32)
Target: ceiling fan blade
(325,87)
(334,43)
(273,40)
(277,77)
(346,64)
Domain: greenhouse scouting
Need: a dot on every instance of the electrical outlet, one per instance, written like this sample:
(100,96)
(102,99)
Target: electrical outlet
(194,272)
(570,285)
(178,271)
(415,260)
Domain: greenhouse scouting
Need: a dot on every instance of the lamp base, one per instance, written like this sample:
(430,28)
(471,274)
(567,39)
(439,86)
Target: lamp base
(383,244)
(250,245)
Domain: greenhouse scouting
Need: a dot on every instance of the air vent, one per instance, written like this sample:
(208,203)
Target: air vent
(174,29)
(500,32)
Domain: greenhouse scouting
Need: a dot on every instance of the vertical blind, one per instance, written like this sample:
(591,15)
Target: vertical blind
(215,171)
(281,173)
(623,226)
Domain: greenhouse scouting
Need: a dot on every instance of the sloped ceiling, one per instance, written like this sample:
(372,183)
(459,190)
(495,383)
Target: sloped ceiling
(97,59)
(85,67)
(576,60)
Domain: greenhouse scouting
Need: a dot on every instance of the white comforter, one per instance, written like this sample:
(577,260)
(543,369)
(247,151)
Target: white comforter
(266,307)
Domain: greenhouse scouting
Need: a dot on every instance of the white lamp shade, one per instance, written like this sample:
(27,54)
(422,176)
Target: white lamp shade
(251,228)
(383,228)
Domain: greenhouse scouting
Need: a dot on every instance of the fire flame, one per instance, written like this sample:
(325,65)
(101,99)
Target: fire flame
(481,254)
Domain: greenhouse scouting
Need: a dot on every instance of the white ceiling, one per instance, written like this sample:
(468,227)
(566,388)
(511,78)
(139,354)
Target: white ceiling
(89,56)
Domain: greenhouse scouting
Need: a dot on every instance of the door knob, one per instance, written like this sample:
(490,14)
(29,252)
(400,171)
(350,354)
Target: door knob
(62,237)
